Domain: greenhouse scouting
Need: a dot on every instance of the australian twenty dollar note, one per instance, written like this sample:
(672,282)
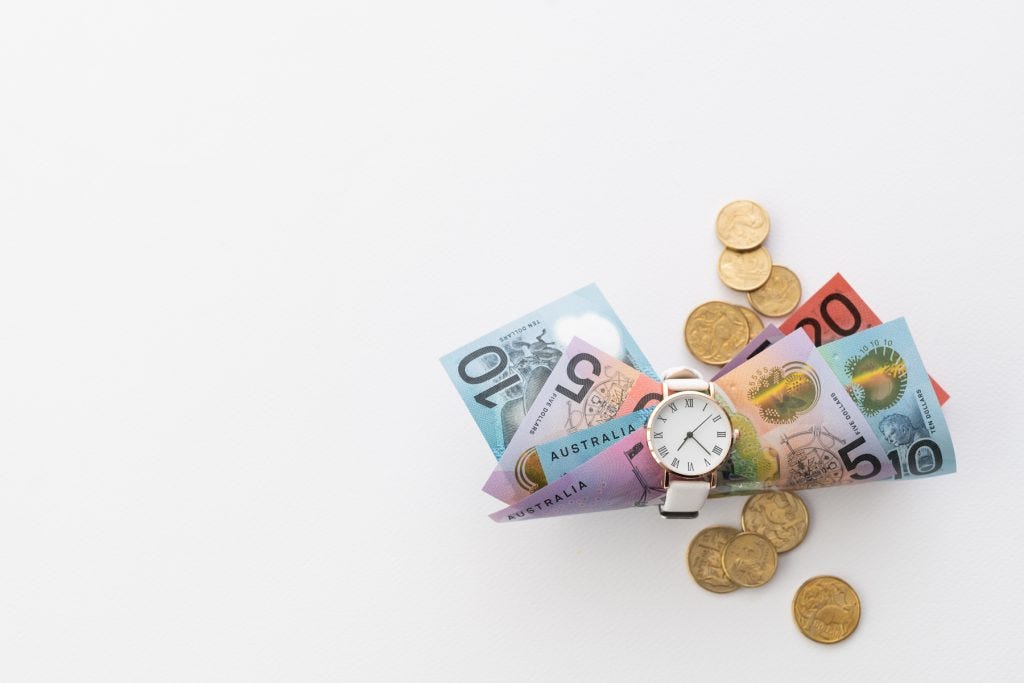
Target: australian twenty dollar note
(836,311)
(500,374)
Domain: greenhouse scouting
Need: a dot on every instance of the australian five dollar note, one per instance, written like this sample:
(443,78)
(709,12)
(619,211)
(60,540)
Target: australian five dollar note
(798,427)
(587,388)
(500,375)
(622,475)
(542,464)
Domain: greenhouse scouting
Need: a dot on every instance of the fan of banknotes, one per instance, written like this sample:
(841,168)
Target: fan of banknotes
(831,396)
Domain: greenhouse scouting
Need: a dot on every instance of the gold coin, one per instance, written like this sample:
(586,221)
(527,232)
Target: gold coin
(529,474)
(749,559)
(742,225)
(704,557)
(715,332)
(826,609)
(754,324)
(779,516)
(777,297)
(744,270)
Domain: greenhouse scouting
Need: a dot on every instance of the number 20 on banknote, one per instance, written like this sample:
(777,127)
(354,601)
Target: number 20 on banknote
(837,311)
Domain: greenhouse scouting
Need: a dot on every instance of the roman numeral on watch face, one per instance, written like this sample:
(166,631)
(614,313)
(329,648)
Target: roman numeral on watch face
(685,418)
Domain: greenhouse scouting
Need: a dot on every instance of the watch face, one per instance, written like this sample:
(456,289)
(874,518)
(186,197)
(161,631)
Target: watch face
(689,433)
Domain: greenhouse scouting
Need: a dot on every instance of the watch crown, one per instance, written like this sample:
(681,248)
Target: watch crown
(736,434)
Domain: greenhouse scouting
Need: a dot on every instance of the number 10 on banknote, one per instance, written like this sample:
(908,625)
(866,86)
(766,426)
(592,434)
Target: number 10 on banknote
(500,375)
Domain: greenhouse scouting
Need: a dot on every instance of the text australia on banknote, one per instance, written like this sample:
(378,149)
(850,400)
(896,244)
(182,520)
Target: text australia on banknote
(623,475)
(550,460)
(587,387)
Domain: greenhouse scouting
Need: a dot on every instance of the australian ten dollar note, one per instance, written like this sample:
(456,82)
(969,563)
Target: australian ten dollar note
(798,427)
(885,377)
(500,374)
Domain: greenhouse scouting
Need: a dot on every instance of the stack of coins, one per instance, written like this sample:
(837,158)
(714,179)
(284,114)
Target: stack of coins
(715,331)
(723,559)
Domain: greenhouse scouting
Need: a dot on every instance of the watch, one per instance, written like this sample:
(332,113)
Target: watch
(689,434)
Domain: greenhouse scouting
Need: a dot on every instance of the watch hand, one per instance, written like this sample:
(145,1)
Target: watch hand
(701,424)
(689,435)
(702,446)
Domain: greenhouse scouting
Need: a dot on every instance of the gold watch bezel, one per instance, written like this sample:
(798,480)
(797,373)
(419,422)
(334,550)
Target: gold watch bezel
(710,474)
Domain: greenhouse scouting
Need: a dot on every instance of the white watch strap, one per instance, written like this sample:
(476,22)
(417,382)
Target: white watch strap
(685,497)
(683,379)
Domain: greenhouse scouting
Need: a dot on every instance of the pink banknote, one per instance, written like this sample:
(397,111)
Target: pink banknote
(799,428)
(623,475)
(586,388)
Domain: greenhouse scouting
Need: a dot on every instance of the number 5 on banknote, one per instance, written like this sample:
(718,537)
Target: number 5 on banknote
(852,463)
(883,374)
(501,374)
(588,387)
(798,427)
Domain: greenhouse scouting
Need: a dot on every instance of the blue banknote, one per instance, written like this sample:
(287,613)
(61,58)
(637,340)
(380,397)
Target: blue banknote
(883,373)
(499,375)
(546,462)
(559,456)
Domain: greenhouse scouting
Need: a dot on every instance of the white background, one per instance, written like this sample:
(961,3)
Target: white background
(236,237)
